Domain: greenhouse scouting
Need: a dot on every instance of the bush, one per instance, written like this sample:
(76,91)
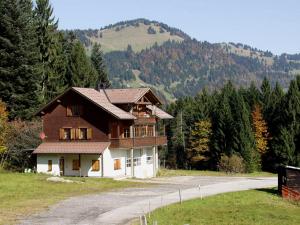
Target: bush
(231,164)
(151,30)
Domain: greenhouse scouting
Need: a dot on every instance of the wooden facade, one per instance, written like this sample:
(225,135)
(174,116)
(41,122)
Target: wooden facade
(289,182)
(100,125)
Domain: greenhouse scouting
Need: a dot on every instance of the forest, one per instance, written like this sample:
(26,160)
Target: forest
(184,68)
(236,129)
(231,127)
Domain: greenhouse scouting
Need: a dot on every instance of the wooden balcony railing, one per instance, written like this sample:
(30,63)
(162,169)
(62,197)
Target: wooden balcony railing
(137,142)
(145,120)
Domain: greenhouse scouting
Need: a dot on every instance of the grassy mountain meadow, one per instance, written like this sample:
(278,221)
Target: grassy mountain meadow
(149,53)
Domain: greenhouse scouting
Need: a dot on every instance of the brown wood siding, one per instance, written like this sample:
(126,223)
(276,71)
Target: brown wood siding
(92,117)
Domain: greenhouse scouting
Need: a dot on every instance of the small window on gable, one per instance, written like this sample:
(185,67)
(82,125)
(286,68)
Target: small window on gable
(74,110)
(49,165)
(95,165)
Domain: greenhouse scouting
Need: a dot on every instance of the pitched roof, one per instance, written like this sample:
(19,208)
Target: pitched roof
(159,112)
(100,99)
(127,95)
(72,147)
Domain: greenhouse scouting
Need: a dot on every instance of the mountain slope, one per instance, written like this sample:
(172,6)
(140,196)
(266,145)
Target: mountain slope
(179,66)
(139,34)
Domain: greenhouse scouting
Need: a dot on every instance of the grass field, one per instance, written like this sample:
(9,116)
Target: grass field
(24,194)
(255,207)
(168,173)
(137,37)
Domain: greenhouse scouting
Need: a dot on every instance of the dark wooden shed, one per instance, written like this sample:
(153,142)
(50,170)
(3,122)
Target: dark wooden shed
(289,182)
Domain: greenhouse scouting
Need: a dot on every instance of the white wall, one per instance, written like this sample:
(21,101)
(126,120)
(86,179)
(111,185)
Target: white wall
(108,162)
(144,170)
(86,164)
(42,164)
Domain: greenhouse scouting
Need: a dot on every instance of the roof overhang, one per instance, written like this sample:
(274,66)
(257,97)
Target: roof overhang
(159,113)
(71,147)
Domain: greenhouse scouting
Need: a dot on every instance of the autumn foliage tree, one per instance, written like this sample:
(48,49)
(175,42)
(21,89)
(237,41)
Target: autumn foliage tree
(3,130)
(260,129)
(199,150)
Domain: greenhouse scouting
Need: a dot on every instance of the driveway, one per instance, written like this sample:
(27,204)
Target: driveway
(120,207)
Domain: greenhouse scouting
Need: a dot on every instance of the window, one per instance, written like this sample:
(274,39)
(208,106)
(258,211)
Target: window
(117,164)
(137,161)
(75,164)
(149,159)
(82,133)
(95,165)
(126,132)
(128,162)
(136,131)
(49,165)
(74,110)
(143,131)
(150,131)
(67,134)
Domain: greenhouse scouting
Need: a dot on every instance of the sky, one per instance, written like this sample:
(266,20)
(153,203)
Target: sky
(272,25)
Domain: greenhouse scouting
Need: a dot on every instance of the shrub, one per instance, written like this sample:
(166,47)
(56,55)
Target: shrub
(231,164)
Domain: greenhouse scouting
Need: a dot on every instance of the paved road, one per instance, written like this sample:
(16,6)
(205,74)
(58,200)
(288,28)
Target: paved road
(120,207)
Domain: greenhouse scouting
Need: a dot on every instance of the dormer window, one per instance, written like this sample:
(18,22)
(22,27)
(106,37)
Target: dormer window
(74,110)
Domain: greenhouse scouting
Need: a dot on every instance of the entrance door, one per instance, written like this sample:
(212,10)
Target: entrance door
(62,166)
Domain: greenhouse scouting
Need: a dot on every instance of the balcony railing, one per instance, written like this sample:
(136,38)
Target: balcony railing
(137,142)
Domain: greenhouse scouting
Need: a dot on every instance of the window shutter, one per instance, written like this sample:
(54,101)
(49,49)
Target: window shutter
(119,164)
(77,133)
(69,111)
(73,133)
(61,133)
(95,165)
(89,133)
(49,165)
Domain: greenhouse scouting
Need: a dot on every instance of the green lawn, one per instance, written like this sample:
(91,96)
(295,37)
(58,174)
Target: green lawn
(24,194)
(255,207)
(168,173)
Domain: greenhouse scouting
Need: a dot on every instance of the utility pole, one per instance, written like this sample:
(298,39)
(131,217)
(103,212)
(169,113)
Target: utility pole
(181,130)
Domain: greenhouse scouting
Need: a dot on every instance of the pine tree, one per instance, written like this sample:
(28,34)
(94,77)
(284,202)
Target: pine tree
(47,40)
(199,146)
(98,63)
(260,130)
(19,64)
(80,71)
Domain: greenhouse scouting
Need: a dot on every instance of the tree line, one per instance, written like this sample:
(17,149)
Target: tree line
(37,60)
(236,129)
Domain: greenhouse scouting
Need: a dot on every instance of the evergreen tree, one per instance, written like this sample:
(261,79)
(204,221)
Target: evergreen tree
(19,64)
(47,42)
(80,71)
(98,62)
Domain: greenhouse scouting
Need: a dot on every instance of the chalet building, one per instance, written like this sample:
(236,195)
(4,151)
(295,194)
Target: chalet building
(105,133)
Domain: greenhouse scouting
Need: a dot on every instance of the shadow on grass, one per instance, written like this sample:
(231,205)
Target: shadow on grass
(273,191)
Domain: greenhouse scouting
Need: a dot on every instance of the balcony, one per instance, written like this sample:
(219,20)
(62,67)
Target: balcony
(145,120)
(137,142)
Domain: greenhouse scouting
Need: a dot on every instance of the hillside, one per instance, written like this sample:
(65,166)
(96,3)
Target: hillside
(176,65)
(139,34)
